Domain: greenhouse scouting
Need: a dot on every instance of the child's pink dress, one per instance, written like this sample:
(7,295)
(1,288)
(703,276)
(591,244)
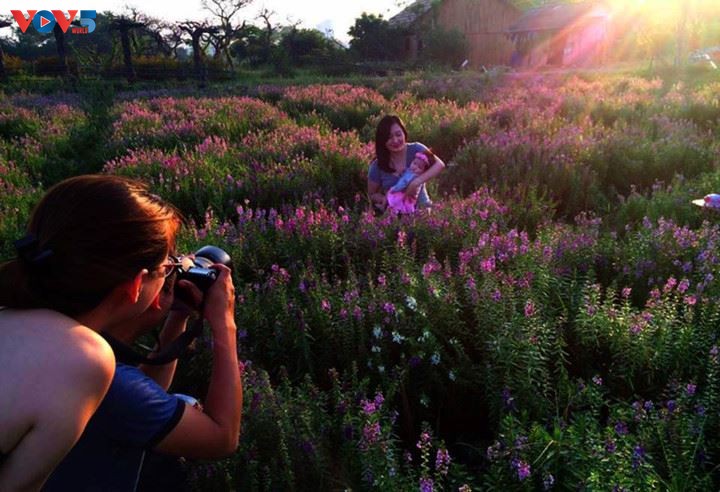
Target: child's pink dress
(400,203)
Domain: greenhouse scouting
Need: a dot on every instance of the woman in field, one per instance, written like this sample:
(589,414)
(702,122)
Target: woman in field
(93,256)
(394,154)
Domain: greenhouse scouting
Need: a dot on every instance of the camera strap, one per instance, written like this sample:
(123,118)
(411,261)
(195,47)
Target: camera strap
(126,355)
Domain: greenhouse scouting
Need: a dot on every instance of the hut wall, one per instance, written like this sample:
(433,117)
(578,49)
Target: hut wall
(483,23)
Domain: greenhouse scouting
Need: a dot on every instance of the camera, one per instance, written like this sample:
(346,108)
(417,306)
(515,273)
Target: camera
(199,271)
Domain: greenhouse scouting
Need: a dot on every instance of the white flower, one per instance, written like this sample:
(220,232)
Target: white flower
(435,359)
(375,349)
(397,337)
(451,376)
(381,369)
(377,331)
(411,303)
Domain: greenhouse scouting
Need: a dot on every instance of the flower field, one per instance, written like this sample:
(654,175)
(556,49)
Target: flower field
(551,324)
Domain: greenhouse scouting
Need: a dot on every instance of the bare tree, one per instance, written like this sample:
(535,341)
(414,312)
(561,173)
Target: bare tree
(173,36)
(124,26)
(62,53)
(266,16)
(196,30)
(225,11)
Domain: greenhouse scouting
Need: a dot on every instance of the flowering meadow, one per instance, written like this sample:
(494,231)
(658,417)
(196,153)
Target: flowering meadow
(550,324)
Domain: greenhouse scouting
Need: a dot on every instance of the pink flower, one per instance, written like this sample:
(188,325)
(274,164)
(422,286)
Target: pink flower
(529,309)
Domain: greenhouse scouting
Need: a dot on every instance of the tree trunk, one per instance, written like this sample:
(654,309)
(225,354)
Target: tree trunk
(197,59)
(62,55)
(127,55)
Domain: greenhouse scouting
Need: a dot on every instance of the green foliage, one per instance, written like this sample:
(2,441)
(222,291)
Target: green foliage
(372,38)
(445,47)
(18,197)
(309,47)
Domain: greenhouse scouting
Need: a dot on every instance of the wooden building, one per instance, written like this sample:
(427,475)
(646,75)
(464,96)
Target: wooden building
(562,35)
(484,24)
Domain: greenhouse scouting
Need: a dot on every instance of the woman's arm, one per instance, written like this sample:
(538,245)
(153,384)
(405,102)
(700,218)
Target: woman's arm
(214,431)
(414,187)
(174,326)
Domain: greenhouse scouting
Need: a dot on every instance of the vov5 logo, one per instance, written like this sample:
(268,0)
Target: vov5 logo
(44,20)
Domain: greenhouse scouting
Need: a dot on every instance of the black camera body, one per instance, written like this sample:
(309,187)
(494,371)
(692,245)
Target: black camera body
(201,272)
(197,270)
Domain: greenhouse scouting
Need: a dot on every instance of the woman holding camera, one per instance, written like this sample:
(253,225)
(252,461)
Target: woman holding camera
(95,260)
(90,258)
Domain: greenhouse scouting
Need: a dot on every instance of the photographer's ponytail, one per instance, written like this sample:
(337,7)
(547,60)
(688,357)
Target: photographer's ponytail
(15,288)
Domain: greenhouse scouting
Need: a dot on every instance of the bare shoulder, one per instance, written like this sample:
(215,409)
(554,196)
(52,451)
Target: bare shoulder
(67,348)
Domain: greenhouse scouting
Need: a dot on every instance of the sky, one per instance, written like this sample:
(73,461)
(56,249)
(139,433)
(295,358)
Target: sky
(336,15)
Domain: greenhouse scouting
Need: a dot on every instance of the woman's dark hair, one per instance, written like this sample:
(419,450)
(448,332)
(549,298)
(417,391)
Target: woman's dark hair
(382,135)
(87,235)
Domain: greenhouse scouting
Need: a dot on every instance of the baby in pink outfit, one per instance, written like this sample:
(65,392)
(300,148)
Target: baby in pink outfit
(396,197)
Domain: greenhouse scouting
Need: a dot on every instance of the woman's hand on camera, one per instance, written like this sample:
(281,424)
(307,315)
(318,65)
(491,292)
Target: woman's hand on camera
(220,299)
(187,297)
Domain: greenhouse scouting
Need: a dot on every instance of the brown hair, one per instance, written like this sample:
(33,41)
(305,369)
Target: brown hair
(430,158)
(382,135)
(87,235)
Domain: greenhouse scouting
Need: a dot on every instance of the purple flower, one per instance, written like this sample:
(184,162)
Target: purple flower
(368,407)
(626,292)
(493,452)
(379,399)
(670,284)
(371,433)
(700,410)
(522,468)
(424,441)
(426,484)
(621,428)
(610,446)
(690,389)
(671,406)
(597,380)
(389,308)
(683,286)
(442,461)
(325,305)
(637,456)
